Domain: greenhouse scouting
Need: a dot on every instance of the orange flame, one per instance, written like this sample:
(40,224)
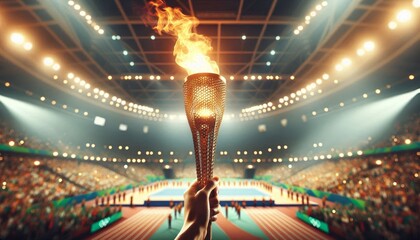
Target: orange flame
(191,49)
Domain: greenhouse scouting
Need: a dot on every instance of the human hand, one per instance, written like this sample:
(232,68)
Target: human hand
(201,207)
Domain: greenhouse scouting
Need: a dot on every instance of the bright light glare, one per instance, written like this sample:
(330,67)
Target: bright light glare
(384,112)
(205,113)
(346,61)
(27,46)
(56,67)
(416,3)
(123,127)
(403,16)
(48,61)
(360,52)
(17,38)
(392,25)
(243,37)
(369,46)
(99,121)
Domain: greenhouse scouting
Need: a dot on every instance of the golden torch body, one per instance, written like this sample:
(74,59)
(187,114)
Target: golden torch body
(204,99)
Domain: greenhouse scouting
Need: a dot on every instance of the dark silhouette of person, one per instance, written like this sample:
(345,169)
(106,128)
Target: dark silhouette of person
(170,221)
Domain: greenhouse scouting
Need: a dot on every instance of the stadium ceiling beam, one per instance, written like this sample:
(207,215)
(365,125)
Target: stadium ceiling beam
(150,66)
(241,5)
(262,32)
(73,38)
(326,37)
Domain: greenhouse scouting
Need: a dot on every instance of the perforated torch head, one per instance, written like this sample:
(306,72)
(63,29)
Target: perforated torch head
(204,99)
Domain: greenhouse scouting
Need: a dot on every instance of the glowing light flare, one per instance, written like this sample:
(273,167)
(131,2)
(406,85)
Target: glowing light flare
(369,46)
(17,38)
(392,25)
(360,52)
(48,61)
(191,49)
(205,113)
(346,62)
(56,66)
(404,16)
(416,3)
(27,46)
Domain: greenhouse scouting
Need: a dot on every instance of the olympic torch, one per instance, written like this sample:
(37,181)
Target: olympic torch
(204,88)
(204,98)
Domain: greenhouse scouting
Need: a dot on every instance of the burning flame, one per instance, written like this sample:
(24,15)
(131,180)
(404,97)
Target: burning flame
(191,49)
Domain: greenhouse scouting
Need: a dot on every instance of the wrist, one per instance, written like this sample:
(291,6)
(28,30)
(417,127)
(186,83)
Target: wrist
(192,230)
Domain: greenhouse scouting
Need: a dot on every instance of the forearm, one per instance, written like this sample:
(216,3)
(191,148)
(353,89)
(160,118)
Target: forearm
(192,231)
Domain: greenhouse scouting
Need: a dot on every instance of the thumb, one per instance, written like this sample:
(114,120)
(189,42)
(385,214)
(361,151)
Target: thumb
(192,190)
(211,185)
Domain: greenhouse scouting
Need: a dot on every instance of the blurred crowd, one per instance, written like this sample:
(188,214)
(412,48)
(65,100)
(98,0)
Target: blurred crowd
(44,221)
(30,185)
(389,184)
(225,170)
(10,136)
(89,175)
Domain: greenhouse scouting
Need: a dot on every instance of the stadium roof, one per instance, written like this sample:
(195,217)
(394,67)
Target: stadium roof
(335,30)
(277,56)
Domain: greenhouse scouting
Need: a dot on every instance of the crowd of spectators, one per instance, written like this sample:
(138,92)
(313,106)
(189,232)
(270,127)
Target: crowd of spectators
(12,137)
(404,132)
(390,186)
(225,170)
(92,176)
(388,183)
(136,172)
(30,185)
(44,221)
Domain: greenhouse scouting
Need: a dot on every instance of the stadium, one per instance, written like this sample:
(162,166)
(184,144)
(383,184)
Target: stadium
(209,119)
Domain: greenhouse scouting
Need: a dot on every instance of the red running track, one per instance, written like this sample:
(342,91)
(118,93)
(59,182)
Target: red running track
(277,225)
(141,225)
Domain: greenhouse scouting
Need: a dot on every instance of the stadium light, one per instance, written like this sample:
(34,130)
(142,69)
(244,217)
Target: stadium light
(370,119)
(123,127)
(99,121)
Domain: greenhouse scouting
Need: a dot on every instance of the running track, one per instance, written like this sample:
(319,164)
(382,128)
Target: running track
(142,225)
(277,225)
(272,221)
